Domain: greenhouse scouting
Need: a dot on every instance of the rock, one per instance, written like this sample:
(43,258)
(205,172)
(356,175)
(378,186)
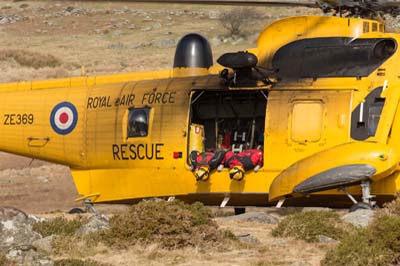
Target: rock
(157,26)
(214,14)
(16,230)
(318,209)
(248,239)
(359,218)
(69,9)
(43,179)
(147,18)
(96,223)
(164,43)
(237,41)
(4,20)
(116,46)
(326,239)
(148,28)
(29,258)
(260,217)
(136,45)
(43,245)
(17,238)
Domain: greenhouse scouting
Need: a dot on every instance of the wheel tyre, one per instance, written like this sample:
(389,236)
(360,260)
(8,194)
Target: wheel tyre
(76,211)
(360,206)
(240,211)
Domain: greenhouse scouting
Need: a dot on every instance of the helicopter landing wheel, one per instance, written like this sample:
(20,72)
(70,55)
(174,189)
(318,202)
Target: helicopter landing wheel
(76,211)
(360,206)
(366,203)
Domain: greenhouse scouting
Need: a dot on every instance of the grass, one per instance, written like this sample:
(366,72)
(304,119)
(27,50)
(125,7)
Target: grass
(77,262)
(58,226)
(170,224)
(308,226)
(376,245)
(27,58)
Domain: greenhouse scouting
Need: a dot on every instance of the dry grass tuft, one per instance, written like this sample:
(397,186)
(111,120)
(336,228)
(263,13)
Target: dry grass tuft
(171,224)
(29,59)
(58,226)
(75,246)
(309,225)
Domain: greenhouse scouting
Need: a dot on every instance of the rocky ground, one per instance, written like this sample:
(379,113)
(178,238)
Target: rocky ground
(253,229)
(106,37)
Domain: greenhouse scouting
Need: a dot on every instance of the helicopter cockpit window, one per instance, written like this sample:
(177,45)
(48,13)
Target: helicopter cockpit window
(366,116)
(138,122)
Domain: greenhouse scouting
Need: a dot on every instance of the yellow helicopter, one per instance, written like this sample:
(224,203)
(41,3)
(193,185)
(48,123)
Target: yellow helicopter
(317,101)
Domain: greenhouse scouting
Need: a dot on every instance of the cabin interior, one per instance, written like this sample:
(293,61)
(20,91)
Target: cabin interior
(230,120)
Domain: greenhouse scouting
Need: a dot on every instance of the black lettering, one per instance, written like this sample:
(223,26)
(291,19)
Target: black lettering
(152,96)
(164,99)
(122,102)
(18,122)
(95,102)
(116,102)
(89,103)
(123,151)
(102,101)
(147,151)
(6,119)
(158,97)
(172,97)
(116,151)
(132,150)
(12,116)
(131,98)
(30,118)
(158,151)
(144,97)
(108,101)
(138,151)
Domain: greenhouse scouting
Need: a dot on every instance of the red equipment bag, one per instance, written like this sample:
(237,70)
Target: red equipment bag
(209,159)
(247,159)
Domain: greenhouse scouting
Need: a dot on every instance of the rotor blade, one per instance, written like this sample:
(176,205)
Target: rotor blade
(305,3)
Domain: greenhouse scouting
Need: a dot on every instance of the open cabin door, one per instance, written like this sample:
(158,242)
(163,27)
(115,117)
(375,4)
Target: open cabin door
(230,120)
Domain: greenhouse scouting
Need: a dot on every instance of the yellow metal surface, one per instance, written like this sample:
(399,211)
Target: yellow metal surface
(307,124)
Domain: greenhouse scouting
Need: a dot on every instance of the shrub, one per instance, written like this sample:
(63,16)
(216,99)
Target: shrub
(309,225)
(356,250)
(57,226)
(237,18)
(171,224)
(76,262)
(29,58)
(376,245)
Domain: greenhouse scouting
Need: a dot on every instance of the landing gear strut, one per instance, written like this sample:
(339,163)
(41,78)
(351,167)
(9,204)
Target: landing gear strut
(366,202)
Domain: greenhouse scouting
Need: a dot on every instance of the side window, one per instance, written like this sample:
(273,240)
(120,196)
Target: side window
(138,122)
(366,116)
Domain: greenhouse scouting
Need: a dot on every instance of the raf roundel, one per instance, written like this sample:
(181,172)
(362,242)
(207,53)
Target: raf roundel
(63,118)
